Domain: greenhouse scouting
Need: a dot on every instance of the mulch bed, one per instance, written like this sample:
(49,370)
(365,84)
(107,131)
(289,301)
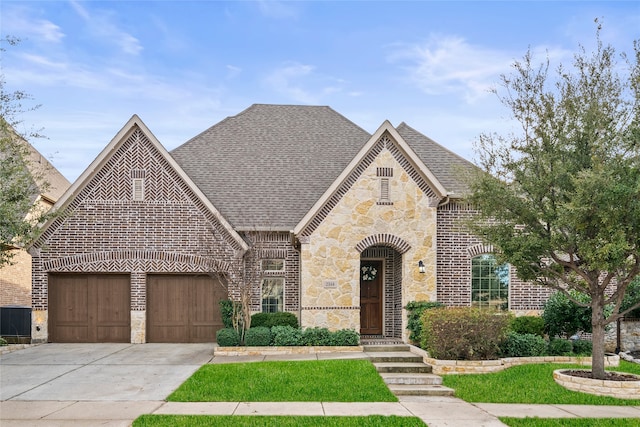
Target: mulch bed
(608,375)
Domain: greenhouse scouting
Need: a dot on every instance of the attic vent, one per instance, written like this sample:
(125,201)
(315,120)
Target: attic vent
(138,189)
(384,192)
(138,173)
(385,172)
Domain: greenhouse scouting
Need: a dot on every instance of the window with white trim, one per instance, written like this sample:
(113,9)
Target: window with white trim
(489,283)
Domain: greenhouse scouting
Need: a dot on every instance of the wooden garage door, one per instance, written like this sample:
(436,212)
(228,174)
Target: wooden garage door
(89,308)
(183,308)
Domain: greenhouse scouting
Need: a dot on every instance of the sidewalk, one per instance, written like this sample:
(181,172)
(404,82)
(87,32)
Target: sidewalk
(434,411)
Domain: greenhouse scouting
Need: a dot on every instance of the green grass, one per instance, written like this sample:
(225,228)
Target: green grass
(570,422)
(279,421)
(530,384)
(290,381)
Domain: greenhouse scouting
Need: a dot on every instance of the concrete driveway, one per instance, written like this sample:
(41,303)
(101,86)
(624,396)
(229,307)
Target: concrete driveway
(99,372)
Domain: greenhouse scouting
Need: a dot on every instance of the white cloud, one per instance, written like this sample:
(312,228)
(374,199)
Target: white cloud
(286,81)
(448,64)
(19,22)
(101,25)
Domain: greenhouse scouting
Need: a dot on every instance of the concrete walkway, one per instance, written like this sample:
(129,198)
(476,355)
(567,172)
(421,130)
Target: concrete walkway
(434,411)
(111,385)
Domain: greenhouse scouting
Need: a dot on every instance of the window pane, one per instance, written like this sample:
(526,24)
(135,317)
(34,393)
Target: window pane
(273,294)
(272,264)
(489,283)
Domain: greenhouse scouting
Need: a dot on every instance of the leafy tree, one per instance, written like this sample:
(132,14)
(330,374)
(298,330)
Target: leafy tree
(560,199)
(20,180)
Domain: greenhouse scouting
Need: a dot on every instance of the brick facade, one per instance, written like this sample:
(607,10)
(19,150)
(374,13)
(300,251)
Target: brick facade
(15,281)
(104,231)
(273,245)
(456,248)
(166,226)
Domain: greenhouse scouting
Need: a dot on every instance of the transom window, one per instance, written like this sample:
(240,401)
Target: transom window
(272,294)
(272,264)
(489,283)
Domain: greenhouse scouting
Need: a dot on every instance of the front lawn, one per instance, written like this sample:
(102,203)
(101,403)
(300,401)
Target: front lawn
(268,421)
(530,384)
(570,422)
(288,381)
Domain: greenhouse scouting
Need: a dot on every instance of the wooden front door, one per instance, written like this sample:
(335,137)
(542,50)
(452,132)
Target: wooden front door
(371,297)
(88,308)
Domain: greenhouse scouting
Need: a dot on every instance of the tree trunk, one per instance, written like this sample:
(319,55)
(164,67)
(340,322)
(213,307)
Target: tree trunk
(597,338)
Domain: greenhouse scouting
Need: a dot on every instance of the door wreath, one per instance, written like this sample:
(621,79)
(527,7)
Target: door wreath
(369,273)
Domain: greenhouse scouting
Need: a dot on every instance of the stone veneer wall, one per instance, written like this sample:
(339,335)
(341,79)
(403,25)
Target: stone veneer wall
(105,231)
(456,248)
(629,335)
(330,262)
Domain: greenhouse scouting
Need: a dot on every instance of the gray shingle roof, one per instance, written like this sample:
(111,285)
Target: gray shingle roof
(268,165)
(447,166)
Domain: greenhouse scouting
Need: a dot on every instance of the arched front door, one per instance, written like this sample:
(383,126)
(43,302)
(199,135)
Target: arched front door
(371,279)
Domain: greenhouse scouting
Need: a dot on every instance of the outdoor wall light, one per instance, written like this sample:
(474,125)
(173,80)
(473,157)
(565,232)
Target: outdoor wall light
(421,266)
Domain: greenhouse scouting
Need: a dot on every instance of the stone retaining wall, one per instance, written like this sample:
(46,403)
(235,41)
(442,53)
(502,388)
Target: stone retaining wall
(270,351)
(445,367)
(618,389)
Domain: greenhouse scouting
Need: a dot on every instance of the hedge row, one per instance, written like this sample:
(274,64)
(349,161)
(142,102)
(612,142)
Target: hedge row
(288,336)
(476,334)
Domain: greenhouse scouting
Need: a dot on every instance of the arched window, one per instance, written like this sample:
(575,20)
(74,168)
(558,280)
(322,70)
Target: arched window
(489,283)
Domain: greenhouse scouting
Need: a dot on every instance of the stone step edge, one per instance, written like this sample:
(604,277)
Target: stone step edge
(420,390)
(411,378)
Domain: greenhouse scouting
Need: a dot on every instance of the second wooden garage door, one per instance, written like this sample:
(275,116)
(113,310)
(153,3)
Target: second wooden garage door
(183,308)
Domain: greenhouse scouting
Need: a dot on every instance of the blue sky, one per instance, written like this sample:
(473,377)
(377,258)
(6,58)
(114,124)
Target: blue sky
(183,66)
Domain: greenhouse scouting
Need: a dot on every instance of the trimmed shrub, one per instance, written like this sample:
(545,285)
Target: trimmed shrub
(563,317)
(344,337)
(227,337)
(286,336)
(316,336)
(582,347)
(257,336)
(464,333)
(414,311)
(269,320)
(524,345)
(560,347)
(528,325)
(3,341)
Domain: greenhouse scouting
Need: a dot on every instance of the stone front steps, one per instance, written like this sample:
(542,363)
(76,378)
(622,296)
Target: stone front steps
(404,372)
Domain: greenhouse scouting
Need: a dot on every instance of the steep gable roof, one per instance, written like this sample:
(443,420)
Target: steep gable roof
(447,166)
(135,124)
(380,140)
(265,167)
